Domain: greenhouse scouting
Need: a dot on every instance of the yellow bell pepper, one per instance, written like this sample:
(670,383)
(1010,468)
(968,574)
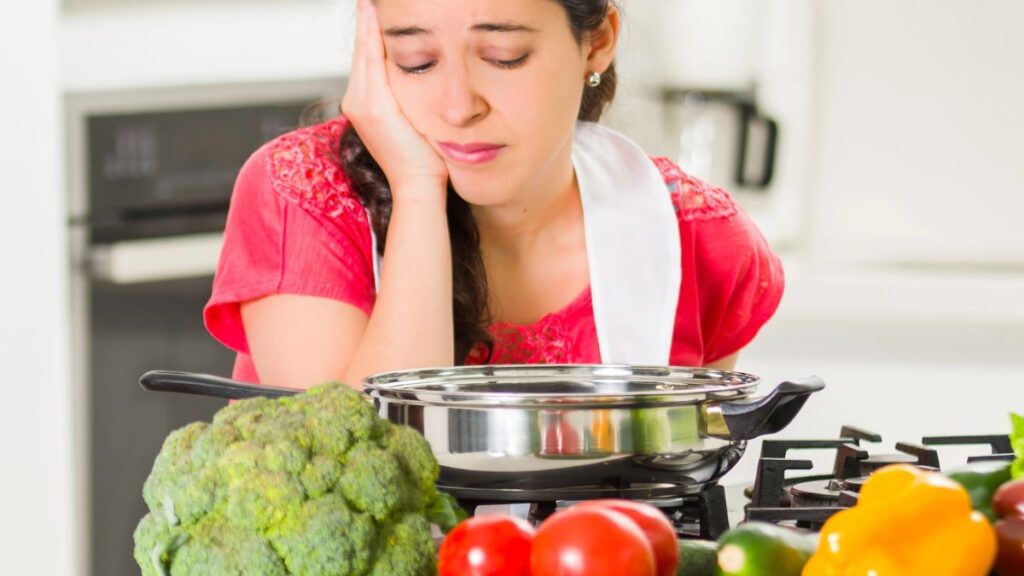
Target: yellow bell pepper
(907,522)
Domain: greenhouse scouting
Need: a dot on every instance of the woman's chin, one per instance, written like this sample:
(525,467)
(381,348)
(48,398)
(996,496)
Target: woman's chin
(480,191)
(481,198)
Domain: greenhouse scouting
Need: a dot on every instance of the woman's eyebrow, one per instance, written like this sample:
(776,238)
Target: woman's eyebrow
(508,27)
(503,27)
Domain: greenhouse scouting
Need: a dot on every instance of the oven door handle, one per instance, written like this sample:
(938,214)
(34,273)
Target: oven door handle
(155,259)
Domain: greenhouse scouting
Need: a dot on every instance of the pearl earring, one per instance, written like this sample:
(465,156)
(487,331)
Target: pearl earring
(594,80)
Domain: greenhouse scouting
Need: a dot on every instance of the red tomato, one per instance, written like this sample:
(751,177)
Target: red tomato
(591,542)
(656,527)
(494,545)
(1010,535)
(1008,501)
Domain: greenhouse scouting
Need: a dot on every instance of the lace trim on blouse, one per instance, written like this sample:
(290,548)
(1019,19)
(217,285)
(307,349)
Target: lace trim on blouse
(305,169)
(694,199)
(545,342)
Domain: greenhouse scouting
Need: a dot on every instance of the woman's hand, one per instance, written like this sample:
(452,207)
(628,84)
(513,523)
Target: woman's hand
(406,157)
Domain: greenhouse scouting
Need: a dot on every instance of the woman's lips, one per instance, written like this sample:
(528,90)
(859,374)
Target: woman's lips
(472,153)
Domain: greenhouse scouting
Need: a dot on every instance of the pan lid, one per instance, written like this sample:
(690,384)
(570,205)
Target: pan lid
(561,386)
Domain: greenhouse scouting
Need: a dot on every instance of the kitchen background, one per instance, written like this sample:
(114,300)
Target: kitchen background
(895,198)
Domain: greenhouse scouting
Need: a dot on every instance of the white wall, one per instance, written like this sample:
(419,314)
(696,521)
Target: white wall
(36,533)
(164,43)
(921,159)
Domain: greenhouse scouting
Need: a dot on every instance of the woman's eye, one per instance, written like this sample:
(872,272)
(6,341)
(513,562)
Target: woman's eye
(511,63)
(417,69)
(507,64)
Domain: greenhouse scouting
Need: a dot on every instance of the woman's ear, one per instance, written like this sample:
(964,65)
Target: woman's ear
(602,42)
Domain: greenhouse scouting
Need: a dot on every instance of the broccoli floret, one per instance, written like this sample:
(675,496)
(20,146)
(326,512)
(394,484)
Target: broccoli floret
(407,549)
(156,540)
(261,500)
(314,484)
(247,415)
(413,453)
(211,444)
(348,409)
(216,548)
(175,487)
(372,481)
(320,476)
(285,456)
(445,511)
(325,538)
(286,426)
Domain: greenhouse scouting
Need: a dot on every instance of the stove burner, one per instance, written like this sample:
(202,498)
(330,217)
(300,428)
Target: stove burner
(816,493)
(825,493)
(854,484)
(808,501)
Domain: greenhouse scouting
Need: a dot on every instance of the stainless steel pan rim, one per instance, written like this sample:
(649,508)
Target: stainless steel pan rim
(559,426)
(565,386)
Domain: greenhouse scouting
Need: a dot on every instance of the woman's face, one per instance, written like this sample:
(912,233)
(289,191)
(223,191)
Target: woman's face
(494,72)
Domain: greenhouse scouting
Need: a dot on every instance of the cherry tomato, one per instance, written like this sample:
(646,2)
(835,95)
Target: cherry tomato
(656,528)
(494,545)
(1008,501)
(591,542)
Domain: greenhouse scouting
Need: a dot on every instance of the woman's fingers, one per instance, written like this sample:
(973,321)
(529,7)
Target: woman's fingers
(349,100)
(368,83)
(357,54)
(403,154)
(373,42)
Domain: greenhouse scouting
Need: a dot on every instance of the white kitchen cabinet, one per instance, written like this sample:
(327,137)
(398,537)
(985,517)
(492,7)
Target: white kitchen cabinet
(114,45)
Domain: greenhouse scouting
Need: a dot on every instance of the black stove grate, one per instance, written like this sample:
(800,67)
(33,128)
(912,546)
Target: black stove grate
(807,501)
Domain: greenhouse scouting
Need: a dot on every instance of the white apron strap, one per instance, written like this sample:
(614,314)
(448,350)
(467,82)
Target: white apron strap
(633,246)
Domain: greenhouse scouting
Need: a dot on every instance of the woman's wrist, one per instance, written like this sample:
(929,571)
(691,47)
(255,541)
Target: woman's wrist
(421,193)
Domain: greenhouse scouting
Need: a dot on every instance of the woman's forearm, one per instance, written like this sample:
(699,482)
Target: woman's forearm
(411,324)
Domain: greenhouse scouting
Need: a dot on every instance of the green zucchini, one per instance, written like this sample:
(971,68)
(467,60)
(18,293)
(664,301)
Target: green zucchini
(762,549)
(697,558)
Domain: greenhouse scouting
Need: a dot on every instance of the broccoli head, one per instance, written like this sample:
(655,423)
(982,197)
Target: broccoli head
(310,485)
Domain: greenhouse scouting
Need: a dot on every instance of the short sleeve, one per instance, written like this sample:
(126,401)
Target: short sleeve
(732,282)
(739,279)
(276,244)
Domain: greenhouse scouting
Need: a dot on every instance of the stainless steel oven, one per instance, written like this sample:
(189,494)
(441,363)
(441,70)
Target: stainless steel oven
(151,174)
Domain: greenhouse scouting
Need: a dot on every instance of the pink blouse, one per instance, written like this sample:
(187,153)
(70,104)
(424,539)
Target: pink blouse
(296,226)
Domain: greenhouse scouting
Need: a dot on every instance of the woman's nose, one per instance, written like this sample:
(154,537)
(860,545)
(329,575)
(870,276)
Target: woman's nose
(461,102)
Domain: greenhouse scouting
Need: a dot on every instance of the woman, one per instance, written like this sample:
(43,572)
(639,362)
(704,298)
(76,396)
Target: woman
(466,209)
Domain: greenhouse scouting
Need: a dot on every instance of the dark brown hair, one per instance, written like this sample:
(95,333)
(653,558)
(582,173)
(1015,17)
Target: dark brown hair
(469,279)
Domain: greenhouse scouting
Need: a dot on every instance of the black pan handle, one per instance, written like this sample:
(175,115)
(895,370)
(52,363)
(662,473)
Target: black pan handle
(206,385)
(748,419)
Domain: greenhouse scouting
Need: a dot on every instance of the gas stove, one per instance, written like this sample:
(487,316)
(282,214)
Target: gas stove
(807,501)
(804,501)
